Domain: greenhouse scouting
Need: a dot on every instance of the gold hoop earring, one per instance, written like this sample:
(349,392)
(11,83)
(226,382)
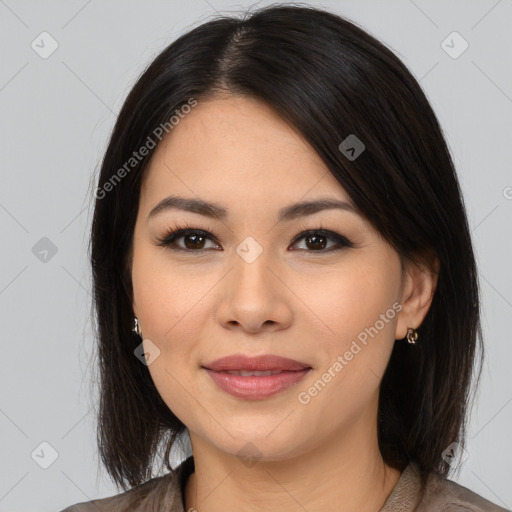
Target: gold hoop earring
(412,335)
(136,326)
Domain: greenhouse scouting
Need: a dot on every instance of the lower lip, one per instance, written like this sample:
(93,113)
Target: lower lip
(255,387)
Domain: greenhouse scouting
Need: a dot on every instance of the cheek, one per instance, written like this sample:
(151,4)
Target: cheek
(166,297)
(170,305)
(354,351)
(351,299)
(358,319)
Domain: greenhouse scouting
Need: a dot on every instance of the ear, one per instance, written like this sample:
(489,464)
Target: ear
(418,288)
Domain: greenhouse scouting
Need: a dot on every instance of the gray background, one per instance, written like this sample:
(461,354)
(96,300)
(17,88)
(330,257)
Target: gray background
(56,115)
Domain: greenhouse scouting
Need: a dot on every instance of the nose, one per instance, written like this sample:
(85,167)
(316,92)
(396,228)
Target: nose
(254,298)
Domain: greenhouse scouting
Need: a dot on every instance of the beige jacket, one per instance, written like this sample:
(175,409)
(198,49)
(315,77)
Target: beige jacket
(165,494)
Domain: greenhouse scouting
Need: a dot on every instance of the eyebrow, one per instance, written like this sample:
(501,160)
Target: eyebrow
(218,212)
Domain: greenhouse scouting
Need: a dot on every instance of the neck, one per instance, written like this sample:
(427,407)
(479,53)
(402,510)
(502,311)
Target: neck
(346,473)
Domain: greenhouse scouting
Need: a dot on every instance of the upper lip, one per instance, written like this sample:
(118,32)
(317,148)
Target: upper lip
(262,363)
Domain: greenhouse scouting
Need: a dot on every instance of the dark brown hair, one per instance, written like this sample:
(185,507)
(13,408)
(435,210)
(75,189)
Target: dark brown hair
(328,78)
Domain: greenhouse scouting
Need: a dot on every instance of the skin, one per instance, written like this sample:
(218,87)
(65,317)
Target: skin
(307,305)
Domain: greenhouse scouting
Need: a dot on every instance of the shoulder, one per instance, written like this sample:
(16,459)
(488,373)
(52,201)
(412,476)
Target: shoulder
(442,494)
(150,495)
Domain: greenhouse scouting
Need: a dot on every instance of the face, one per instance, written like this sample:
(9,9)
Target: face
(249,282)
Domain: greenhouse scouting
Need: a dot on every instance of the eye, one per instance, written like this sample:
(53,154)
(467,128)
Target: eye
(195,239)
(316,240)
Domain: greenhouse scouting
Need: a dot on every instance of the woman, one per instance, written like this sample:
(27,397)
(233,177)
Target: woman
(283,271)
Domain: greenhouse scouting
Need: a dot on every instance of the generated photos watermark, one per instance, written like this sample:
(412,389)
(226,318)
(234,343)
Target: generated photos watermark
(143,151)
(304,397)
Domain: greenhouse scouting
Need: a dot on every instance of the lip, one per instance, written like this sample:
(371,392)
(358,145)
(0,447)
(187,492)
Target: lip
(258,363)
(256,387)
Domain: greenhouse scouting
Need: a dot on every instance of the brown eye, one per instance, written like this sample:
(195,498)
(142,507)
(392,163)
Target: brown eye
(317,240)
(194,240)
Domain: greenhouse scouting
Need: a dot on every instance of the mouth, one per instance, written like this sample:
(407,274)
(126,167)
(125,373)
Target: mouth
(255,373)
(262,363)
(244,377)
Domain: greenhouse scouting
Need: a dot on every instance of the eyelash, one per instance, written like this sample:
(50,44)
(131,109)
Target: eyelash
(180,231)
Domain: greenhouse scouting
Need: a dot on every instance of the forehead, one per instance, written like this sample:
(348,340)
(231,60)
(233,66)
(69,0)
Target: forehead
(236,147)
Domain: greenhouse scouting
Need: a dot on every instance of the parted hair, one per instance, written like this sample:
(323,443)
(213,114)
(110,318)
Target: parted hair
(328,78)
